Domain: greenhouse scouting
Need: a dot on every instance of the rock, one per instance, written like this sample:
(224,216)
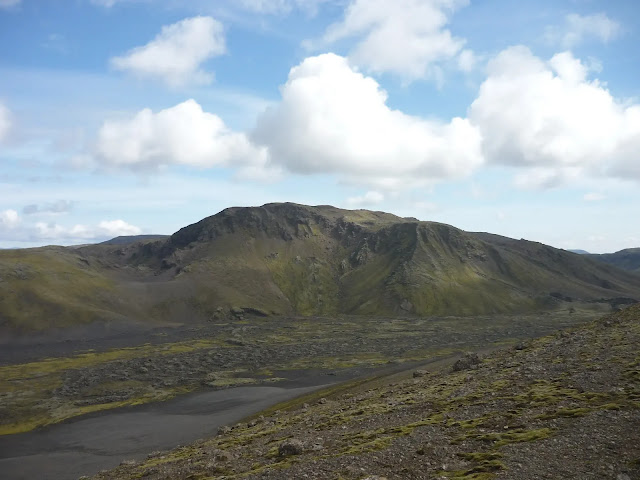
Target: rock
(623,476)
(222,456)
(290,447)
(406,305)
(467,362)
(420,373)
(223,430)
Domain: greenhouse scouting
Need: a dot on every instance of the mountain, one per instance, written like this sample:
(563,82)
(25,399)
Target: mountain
(628,259)
(578,251)
(299,260)
(564,406)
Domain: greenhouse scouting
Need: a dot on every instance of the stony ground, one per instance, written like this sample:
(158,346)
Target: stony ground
(566,406)
(241,351)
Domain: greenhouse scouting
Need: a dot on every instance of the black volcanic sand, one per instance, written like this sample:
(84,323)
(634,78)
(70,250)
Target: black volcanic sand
(90,444)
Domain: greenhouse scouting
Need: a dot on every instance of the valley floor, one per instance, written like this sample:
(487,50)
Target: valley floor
(125,370)
(565,406)
(142,371)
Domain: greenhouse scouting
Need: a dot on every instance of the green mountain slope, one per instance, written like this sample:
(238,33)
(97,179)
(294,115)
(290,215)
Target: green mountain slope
(49,287)
(295,259)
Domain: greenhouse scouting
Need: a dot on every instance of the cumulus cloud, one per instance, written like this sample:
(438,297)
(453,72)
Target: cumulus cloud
(579,28)
(550,117)
(9,219)
(369,199)
(406,37)
(5,122)
(333,119)
(183,134)
(13,228)
(177,53)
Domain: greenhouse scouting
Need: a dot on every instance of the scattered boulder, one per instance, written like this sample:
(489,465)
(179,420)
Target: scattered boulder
(521,345)
(222,456)
(290,447)
(420,373)
(406,305)
(468,362)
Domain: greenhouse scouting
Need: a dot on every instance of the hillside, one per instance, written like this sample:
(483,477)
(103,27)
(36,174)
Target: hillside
(564,406)
(127,239)
(628,259)
(300,260)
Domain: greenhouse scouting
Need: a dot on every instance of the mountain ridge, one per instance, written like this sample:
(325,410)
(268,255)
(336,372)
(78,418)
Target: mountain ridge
(285,258)
(627,259)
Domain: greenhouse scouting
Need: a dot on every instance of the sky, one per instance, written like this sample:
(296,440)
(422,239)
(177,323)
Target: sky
(127,117)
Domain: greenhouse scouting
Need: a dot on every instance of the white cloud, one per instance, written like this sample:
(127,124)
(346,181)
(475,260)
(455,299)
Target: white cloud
(9,3)
(5,122)
(369,199)
(183,134)
(406,37)
(14,229)
(117,227)
(177,53)
(104,230)
(593,197)
(550,117)
(332,119)
(467,60)
(9,219)
(578,28)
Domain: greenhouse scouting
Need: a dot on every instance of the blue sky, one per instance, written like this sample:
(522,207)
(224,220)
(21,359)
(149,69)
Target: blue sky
(142,116)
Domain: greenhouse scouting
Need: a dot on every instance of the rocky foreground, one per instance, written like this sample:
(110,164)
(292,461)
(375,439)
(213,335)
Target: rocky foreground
(563,406)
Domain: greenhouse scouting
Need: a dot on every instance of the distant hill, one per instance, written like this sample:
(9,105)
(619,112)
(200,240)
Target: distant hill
(628,259)
(578,251)
(299,260)
(124,240)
